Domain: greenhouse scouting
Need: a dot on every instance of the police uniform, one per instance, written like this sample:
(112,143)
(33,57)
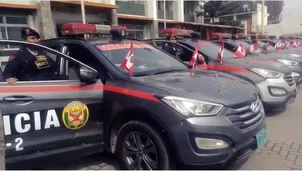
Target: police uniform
(168,47)
(30,64)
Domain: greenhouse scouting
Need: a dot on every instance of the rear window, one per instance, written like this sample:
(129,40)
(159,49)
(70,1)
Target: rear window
(146,57)
(211,50)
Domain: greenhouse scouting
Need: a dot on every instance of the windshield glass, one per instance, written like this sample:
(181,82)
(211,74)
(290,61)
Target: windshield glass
(244,44)
(211,50)
(147,59)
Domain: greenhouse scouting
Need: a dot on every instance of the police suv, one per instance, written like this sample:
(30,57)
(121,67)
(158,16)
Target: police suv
(293,61)
(153,113)
(273,79)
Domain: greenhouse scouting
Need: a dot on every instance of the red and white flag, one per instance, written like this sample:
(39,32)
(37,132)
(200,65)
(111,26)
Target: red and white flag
(252,48)
(221,50)
(194,56)
(240,52)
(127,63)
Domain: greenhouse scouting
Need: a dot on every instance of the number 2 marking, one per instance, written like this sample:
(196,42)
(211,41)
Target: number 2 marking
(19,142)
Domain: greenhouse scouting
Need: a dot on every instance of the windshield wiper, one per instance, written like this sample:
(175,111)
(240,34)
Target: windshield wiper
(167,71)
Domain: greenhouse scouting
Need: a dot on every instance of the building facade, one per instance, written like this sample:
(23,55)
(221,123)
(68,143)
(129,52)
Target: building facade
(144,19)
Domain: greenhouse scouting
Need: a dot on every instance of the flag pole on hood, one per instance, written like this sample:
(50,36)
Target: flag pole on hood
(221,50)
(194,56)
(240,51)
(127,63)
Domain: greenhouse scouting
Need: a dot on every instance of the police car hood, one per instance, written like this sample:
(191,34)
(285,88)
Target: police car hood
(287,56)
(256,62)
(204,85)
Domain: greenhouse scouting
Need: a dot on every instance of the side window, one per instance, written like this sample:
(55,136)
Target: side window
(192,50)
(229,47)
(185,53)
(159,44)
(31,63)
(83,55)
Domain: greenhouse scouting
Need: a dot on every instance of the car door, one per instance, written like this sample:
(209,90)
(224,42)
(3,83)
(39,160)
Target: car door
(50,121)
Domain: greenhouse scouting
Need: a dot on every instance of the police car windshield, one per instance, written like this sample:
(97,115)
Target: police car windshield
(244,44)
(147,59)
(211,50)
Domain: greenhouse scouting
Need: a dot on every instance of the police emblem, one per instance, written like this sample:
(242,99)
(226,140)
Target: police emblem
(75,115)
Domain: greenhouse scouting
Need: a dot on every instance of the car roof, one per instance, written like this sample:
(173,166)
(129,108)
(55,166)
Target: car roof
(92,41)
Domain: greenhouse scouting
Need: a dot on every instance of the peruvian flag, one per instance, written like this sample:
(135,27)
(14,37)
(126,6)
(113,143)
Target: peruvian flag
(278,46)
(252,48)
(287,43)
(194,56)
(221,50)
(240,52)
(127,63)
(295,44)
(266,46)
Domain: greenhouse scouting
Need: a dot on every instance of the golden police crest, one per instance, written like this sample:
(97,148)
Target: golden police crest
(75,115)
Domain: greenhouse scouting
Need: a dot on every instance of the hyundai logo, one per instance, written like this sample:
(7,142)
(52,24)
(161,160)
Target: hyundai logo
(253,107)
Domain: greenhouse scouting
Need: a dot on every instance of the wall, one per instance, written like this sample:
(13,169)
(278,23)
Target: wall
(291,19)
(256,19)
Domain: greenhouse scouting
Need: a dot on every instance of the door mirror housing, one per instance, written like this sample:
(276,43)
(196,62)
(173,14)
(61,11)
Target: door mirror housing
(88,75)
(200,59)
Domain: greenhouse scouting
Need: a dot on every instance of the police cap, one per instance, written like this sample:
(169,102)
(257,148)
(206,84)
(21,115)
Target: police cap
(27,31)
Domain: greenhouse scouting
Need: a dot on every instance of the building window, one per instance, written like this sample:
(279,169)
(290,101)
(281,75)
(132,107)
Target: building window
(10,27)
(135,31)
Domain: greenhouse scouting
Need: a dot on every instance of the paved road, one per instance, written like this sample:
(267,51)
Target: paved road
(283,150)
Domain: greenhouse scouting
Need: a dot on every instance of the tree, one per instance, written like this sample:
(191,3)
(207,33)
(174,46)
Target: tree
(215,8)
(274,8)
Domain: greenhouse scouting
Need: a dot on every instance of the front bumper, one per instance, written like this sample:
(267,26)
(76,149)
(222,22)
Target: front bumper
(270,99)
(298,70)
(241,141)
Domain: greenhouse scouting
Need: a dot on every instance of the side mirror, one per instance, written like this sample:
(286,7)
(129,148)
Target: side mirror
(88,75)
(200,59)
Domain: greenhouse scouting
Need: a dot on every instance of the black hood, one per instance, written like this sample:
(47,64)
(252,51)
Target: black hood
(212,86)
(287,56)
(255,62)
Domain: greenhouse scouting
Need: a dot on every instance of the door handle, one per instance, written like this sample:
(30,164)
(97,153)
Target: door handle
(18,98)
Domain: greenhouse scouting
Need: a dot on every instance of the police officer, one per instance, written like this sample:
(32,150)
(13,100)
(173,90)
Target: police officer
(169,47)
(29,64)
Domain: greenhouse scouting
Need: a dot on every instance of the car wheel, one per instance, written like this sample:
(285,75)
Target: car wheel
(140,147)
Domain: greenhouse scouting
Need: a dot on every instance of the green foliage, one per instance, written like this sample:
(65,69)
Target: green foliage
(215,8)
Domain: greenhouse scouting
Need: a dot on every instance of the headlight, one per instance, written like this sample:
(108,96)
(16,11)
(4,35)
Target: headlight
(295,55)
(266,73)
(288,62)
(188,107)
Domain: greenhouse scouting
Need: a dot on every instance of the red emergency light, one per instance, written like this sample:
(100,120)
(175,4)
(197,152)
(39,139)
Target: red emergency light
(81,28)
(124,28)
(218,35)
(262,36)
(177,32)
(243,36)
(272,36)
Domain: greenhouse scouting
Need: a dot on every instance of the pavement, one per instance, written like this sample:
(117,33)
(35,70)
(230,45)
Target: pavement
(282,152)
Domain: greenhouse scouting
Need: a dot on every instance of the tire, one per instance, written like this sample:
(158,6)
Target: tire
(133,156)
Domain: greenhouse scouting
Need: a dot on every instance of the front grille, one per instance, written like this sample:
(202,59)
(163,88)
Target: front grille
(244,117)
(289,79)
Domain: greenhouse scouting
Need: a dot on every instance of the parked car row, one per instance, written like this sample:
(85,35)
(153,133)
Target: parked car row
(153,110)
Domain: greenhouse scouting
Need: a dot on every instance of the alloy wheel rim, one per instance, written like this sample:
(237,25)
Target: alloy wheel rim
(139,152)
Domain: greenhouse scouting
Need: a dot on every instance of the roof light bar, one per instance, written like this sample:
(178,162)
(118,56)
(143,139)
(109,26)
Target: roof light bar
(177,32)
(217,35)
(81,28)
(262,36)
(243,36)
